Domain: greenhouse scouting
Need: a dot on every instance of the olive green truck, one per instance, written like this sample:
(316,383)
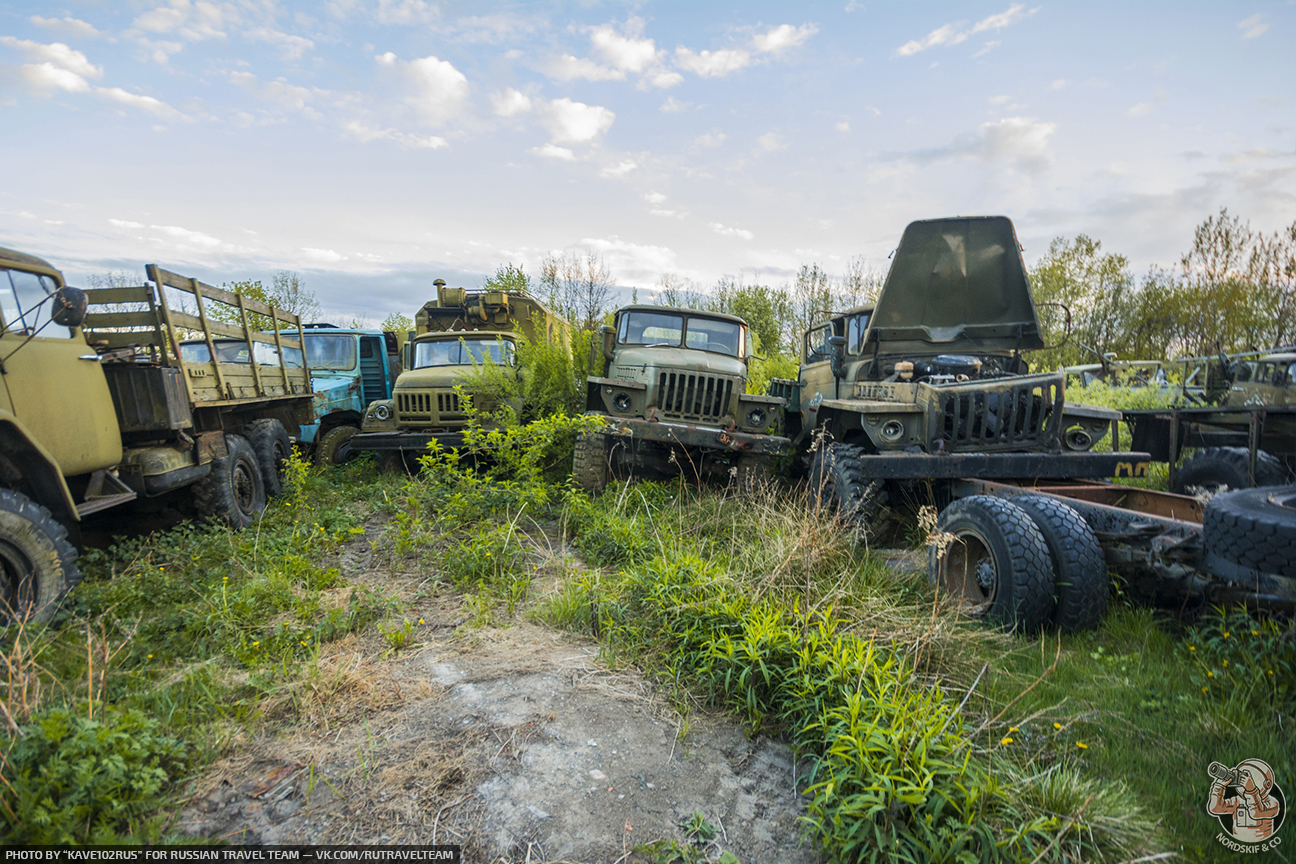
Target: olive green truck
(170,390)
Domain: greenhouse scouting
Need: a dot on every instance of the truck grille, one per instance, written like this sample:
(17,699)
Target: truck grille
(427,406)
(693,397)
(1021,415)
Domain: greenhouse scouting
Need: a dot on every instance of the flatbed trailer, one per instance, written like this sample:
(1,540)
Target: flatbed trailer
(1165,432)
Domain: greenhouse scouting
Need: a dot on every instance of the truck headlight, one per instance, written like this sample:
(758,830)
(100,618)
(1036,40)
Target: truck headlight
(381,412)
(621,401)
(756,417)
(892,431)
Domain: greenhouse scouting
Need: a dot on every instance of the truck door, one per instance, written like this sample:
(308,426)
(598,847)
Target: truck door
(817,382)
(373,378)
(53,379)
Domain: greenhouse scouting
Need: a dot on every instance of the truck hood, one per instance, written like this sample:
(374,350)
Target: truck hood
(957,285)
(631,361)
(432,377)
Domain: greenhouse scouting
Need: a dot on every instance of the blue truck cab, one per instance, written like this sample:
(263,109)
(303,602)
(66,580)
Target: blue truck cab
(349,369)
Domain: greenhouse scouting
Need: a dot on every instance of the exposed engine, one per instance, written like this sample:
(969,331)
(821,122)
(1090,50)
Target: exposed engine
(952,368)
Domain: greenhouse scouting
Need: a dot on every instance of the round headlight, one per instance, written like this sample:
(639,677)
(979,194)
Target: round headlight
(381,412)
(621,401)
(756,417)
(1078,439)
(892,430)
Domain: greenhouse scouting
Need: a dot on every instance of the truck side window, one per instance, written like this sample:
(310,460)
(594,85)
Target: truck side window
(817,349)
(25,305)
(855,330)
(366,348)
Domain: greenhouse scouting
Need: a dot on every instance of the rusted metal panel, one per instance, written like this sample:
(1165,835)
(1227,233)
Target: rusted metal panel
(922,466)
(391,441)
(699,436)
(148,398)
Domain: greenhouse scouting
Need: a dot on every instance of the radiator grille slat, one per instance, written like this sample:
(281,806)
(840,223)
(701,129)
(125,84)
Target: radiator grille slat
(1005,416)
(693,397)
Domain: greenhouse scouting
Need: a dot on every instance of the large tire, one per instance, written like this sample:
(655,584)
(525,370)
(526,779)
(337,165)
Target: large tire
(326,448)
(838,483)
(994,557)
(1080,580)
(1254,529)
(590,462)
(272,446)
(234,490)
(1215,468)
(37,563)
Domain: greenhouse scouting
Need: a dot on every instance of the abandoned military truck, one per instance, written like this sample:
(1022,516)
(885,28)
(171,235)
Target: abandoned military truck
(674,399)
(100,408)
(929,388)
(454,334)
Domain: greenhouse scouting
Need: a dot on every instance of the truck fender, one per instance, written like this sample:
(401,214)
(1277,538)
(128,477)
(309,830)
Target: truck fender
(35,465)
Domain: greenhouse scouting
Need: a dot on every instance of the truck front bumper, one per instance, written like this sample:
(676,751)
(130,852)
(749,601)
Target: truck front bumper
(698,436)
(1004,466)
(390,442)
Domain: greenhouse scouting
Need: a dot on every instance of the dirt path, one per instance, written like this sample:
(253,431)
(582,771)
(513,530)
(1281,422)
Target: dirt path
(516,742)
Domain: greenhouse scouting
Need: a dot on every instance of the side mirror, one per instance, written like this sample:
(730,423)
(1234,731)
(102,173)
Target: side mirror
(69,306)
(609,340)
(838,359)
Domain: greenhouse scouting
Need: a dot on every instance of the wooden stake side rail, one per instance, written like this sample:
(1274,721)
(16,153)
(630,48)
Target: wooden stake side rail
(214,383)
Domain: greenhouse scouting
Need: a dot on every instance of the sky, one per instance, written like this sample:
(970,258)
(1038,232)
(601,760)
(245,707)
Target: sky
(375,145)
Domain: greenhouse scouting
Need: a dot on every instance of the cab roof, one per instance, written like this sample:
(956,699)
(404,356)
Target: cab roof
(678,310)
(24,259)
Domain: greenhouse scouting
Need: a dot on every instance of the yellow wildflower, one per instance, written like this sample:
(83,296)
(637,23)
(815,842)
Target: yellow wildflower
(1005,741)
(150,657)
(1226,634)
(420,620)
(1012,729)
(1082,745)
(1255,632)
(1204,689)
(1210,674)
(1192,647)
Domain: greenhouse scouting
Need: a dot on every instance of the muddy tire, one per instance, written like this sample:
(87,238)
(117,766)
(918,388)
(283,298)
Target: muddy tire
(272,446)
(590,463)
(327,447)
(234,490)
(994,558)
(1214,468)
(37,563)
(753,474)
(1080,580)
(838,484)
(1254,529)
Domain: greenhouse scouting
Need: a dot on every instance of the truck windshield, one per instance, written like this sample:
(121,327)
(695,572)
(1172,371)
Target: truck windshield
(462,352)
(669,329)
(234,351)
(330,352)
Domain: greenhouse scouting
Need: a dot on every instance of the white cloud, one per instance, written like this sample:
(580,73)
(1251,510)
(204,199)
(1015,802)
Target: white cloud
(195,21)
(47,76)
(55,54)
(365,133)
(1021,140)
(709,140)
(510,102)
(655,198)
(674,106)
(843,126)
(290,47)
(1252,27)
(134,100)
(69,26)
(553,151)
(987,48)
(1058,84)
(325,256)
(625,50)
(125,223)
(712,64)
(999,100)
(771,141)
(1138,110)
(619,170)
(195,238)
(728,231)
(576,122)
(569,68)
(954,34)
(440,88)
(405,12)
(665,79)
(783,37)
(633,263)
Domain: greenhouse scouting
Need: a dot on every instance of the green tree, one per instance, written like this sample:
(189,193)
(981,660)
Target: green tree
(767,311)
(397,322)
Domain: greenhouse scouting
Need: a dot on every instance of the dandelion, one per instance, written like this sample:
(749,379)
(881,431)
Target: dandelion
(303,644)
(1012,729)
(1270,671)
(1082,745)
(1255,632)
(255,644)
(1057,725)
(150,657)
(1225,664)
(1210,674)
(420,620)
(1005,741)
(1226,634)
(1205,689)
(1192,647)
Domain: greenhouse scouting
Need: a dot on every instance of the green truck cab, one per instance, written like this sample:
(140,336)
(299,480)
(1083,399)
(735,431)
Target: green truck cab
(931,383)
(455,333)
(674,398)
(100,408)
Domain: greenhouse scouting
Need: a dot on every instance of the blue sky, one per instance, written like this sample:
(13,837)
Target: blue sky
(373,146)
